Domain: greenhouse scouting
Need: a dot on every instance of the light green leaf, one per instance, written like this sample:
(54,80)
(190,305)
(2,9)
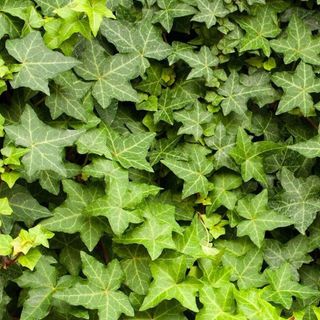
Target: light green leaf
(209,11)
(193,171)
(38,63)
(95,10)
(170,282)
(299,199)
(70,217)
(297,42)
(297,87)
(45,144)
(259,218)
(192,119)
(170,9)
(283,287)
(5,244)
(66,94)
(100,291)
(155,233)
(309,148)
(110,74)
(259,28)
(142,40)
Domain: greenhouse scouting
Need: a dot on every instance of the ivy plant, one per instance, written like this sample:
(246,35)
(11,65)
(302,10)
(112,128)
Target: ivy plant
(159,159)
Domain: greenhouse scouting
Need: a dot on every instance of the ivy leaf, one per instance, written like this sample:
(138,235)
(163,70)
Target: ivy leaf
(246,269)
(247,155)
(192,119)
(218,304)
(201,62)
(142,40)
(298,42)
(120,203)
(38,63)
(49,6)
(70,217)
(42,283)
(223,192)
(253,306)
(297,88)
(110,74)
(100,291)
(170,9)
(95,11)
(222,142)
(130,150)
(166,310)
(258,217)
(155,233)
(309,148)
(193,171)
(66,94)
(237,91)
(135,264)
(45,144)
(209,11)
(194,241)
(170,282)
(25,208)
(299,199)
(259,28)
(283,287)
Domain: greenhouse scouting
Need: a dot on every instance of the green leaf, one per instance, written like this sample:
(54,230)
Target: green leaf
(5,245)
(218,304)
(95,11)
(120,203)
(170,9)
(193,171)
(209,11)
(297,87)
(194,241)
(201,62)
(259,28)
(38,63)
(25,208)
(253,306)
(135,264)
(259,218)
(283,287)
(223,192)
(248,155)
(66,94)
(170,282)
(297,42)
(49,6)
(192,119)
(143,41)
(41,285)
(155,233)
(110,74)
(299,199)
(100,290)
(246,269)
(309,148)
(45,144)
(130,150)
(71,217)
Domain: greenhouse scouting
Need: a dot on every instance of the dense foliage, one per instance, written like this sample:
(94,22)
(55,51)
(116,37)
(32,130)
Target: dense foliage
(159,159)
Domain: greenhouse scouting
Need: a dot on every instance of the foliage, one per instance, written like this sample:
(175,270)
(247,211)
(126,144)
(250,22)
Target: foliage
(159,159)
